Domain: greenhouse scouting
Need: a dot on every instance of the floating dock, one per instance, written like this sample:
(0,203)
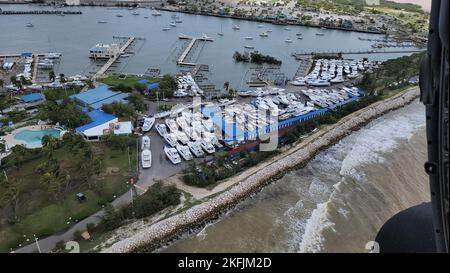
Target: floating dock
(182,58)
(112,60)
(298,55)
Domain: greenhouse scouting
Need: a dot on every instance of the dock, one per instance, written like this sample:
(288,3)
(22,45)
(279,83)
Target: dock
(112,60)
(182,58)
(35,67)
(298,55)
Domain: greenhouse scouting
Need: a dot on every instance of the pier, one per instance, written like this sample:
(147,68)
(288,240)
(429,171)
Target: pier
(181,59)
(297,55)
(112,60)
(39,12)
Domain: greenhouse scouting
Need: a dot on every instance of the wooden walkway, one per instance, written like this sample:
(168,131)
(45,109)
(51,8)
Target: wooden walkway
(112,60)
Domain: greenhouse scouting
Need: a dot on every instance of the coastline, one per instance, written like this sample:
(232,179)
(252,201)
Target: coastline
(152,237)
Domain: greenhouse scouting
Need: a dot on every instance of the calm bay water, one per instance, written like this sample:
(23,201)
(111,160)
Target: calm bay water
(337,203)
(74,35)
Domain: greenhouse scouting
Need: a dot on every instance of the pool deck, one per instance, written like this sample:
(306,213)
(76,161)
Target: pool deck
(11,141)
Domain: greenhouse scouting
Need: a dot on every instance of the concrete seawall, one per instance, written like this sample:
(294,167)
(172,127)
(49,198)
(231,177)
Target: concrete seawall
(152,237)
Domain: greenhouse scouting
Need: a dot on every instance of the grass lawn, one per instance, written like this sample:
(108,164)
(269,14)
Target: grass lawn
(39,214)
(127,80)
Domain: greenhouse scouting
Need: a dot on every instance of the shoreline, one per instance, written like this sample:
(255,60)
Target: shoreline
(154,236)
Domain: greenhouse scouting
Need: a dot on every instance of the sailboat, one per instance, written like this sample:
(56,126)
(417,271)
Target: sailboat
(220,33)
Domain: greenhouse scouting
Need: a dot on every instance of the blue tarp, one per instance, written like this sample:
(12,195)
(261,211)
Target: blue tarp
(152,86)
(95,98)
(143,81)
(34,97)
(97,118)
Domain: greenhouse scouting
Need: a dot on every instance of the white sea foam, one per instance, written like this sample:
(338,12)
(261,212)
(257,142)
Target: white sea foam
(363,147)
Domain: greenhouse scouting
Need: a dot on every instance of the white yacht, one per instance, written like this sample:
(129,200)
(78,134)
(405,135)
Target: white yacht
(156,13)
(166,28)
(182,137)
(264,34)
(148,124)
(245,93)
(29,24)
(249,47)
(288,40)
(172,154)
(146,159)
(135,13)
(236,27)
(209,125)
(248,38)
(162,129)
(171,139)
(206,144)
(172,125)
(102,22)
(173,24)
(195,148)
(145,143)
(183,150)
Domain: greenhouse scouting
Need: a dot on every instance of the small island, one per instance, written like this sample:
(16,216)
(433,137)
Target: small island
(255,57)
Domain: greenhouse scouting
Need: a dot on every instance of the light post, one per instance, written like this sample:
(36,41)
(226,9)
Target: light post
(37,243)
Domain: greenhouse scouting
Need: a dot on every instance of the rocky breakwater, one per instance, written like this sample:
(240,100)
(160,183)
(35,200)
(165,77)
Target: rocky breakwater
(152,237)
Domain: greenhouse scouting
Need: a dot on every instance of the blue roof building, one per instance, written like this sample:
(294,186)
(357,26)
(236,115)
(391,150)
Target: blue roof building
(34,97)
(97,97)
(148,86)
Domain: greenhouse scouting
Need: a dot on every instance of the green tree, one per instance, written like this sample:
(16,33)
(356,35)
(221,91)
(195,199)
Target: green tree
(51,76)
(137,100)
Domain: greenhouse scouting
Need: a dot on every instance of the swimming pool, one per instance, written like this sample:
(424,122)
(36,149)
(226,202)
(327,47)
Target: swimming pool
(34,138)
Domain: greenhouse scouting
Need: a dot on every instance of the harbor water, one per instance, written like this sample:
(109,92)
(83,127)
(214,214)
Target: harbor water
(337,202)
(74,35)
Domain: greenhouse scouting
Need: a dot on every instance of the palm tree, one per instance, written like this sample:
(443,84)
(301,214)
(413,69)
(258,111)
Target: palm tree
(51,76)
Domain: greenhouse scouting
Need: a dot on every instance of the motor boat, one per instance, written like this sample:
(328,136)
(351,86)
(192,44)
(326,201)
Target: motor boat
(161,129)
(320,82)
(182,137)
(288,41)
(206,144)
(208,124)
(148,124)
(171,139)
(145,143)
(236,27)
(183,150)
(29,24)
(146,159)
(249,47)
(248,38)
(172,154)
(195,148)
(264,34)
(245,93)
(172,125)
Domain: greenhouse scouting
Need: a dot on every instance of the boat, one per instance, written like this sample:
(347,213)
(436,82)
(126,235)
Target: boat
(178,21)
(245,93)
(299,38)
(248,38)
(260,26)
(264,34)
(298,34)
(148,124)
(249,47)
(235,27)
(184,151)
(146,159)
(320,34)
(208,124)
(288,29)
(206,144)
(146,17)
(173,24)
(135,13)
(172,154)
(145,143)
(172,125)
(29,24)
(220,33)
(101,22)
(171,139)
(104,51)
(182,137)
(288,41)
(319,82)
(119,15)
(166,28)
(269,30)
(195,148)
(156,13)
(161,129)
